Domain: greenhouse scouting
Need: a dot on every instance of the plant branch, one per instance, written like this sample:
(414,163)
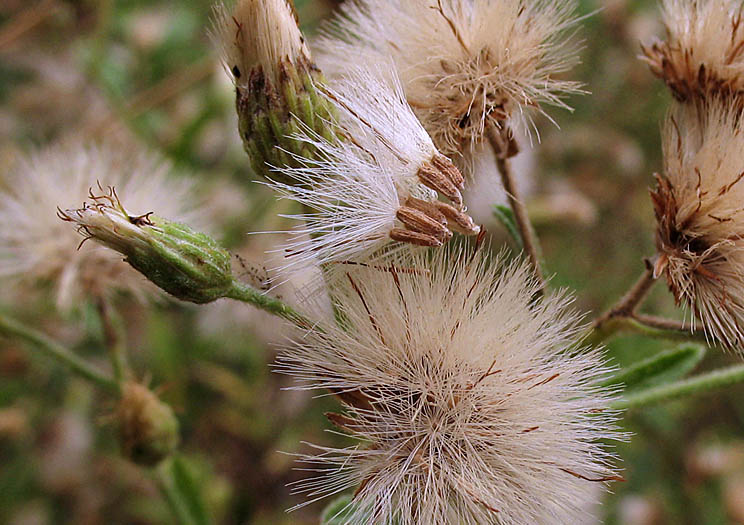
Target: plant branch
(13,328)
(604,326)
(684,388)
(628,304)
(248,294)
(649,326)
(516,202)
(25,21)
(662,323)
(114,336)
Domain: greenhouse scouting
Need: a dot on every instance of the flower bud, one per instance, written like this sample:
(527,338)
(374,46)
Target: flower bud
(189,265)
(148,429)
(276,83)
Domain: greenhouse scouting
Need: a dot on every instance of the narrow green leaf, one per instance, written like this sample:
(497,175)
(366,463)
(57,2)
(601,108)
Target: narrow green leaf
(182,491)
(506,216)
(662,368)
(689,387)
(338,511)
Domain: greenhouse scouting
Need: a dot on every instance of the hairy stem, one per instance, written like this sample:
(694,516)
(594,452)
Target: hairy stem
(114,336)
(517,204)
(646,325)
(13,328)
(662,323)
(625,307)
(248,294)
(684,388)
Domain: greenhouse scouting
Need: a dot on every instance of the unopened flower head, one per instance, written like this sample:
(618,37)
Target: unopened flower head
(698,204)
(187,264)
(472,402)
(703,55)
(468,63)
(148,428)
(259,35)
(37,249)
(380,182)
(264,51)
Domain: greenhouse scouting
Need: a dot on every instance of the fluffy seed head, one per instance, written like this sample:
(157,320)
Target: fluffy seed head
(704,51)
(698,204)
(36,248)
(378,182)
(471,401)
(258,34)
(461,62)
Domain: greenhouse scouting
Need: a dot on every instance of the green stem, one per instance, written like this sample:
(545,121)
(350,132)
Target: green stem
(248,294)
(175,502)
(104,17)
(114,335)
(643,325)
(684,388)
(12,328)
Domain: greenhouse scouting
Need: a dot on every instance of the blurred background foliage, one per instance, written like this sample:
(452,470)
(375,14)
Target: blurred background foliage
(144,70)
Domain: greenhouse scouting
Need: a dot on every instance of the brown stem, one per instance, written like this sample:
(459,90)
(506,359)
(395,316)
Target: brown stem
(628,304)
(662,323)
(25,21)
(517,204)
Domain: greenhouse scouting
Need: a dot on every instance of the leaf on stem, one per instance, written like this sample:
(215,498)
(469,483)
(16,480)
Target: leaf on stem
(338,511)
(660,369)
(506,217)
(183,492)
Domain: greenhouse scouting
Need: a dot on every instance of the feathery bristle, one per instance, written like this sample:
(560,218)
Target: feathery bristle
(698,205)
(472,402)
(368,187)
(703,55)
(465,63)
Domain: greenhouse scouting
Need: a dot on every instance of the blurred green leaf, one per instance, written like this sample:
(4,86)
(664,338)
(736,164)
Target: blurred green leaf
(662,368)
(338,511)
(506,216)
(183,493)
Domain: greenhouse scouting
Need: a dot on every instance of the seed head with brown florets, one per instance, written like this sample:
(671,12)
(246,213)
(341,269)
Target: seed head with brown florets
(703,55)
(379,183)
(700,224)
(468,63)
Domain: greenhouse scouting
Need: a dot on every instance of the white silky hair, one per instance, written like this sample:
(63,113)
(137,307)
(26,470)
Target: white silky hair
(257,33)
(704,33)
(354,185)
(481,406)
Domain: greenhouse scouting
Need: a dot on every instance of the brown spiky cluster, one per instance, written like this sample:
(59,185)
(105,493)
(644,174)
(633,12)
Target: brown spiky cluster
(698,198)
(703,54)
